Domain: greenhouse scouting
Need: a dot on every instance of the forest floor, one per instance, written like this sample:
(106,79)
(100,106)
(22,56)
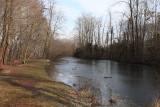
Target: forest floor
(30,86)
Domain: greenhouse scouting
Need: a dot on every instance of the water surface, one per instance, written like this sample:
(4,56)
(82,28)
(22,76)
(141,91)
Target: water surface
(136,83)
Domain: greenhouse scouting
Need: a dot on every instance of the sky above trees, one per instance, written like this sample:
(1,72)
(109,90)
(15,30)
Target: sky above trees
(73,8)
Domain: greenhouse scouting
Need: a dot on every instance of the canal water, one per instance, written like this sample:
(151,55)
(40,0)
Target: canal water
(131,84)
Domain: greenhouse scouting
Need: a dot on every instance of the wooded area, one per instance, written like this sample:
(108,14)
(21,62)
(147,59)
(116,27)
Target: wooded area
(32,36)
(28,28)
(135,38)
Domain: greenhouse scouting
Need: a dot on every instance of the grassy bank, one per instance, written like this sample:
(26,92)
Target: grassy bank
(30,86)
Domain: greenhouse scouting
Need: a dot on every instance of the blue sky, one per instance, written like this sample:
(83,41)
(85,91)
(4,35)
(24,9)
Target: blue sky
(73,8)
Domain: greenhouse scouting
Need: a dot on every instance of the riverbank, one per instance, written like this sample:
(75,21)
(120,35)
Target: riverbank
(29,85)
(100,53)
(138,62)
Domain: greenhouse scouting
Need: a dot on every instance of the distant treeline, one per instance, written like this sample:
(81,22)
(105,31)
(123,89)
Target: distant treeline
(135,38)
(90,52)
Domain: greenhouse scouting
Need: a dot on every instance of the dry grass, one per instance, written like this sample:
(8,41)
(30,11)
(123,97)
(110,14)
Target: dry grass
(30,86)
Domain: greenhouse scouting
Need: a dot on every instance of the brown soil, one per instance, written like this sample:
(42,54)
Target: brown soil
(27,82)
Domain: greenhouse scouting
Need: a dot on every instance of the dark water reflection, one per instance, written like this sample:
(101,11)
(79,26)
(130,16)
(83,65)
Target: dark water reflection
(137,82)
